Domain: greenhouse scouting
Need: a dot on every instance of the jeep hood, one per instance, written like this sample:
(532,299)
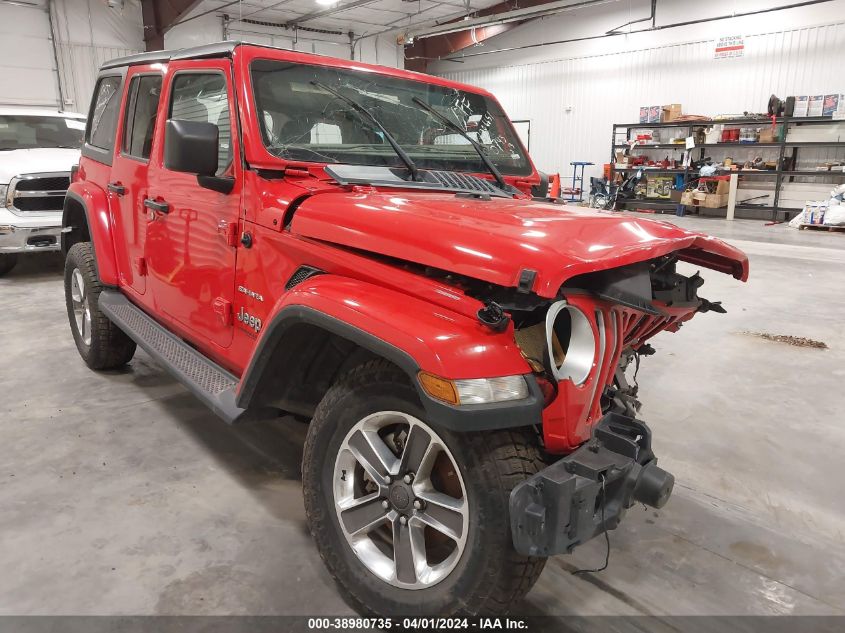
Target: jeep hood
(493,240)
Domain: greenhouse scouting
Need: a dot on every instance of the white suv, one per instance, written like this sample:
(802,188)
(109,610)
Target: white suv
(37,150)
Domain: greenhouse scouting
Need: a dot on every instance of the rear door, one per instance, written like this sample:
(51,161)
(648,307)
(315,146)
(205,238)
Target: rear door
(128,182)
(190,247)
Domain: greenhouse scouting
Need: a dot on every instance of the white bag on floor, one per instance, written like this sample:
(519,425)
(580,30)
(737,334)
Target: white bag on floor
(835,215)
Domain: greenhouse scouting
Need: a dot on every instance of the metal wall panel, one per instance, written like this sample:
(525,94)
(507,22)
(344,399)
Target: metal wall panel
(572,103)
(89,33)
(27,66)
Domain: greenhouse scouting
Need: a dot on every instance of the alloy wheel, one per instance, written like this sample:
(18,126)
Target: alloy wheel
(401,500)
(81,307)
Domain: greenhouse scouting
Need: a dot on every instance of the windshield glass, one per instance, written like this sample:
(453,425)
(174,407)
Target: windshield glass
(29,132)
(302,121)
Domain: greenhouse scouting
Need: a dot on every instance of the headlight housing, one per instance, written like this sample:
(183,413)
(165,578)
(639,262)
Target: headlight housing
(474,390)
(570,342)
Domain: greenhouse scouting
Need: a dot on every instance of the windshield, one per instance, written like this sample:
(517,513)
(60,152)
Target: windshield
(303,121)
(29,132)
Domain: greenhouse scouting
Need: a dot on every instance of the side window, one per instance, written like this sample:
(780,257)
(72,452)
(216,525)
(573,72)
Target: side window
(140,118)
(104,112)
(203,97)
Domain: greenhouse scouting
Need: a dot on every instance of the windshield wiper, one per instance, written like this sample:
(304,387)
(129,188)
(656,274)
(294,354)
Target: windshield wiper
(401,153)
(479,150)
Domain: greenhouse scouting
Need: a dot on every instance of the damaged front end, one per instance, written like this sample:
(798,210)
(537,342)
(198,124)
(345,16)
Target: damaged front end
(581,345)
(580,348)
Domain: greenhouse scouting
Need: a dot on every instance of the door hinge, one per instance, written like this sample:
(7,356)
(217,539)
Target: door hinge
(141,266)
(223,309)
(230,231)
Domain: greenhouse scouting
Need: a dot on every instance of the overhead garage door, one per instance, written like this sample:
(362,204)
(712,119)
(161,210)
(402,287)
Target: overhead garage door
(27,64)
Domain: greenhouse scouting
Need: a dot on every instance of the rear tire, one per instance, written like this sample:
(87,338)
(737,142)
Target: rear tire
(487,577)
(7,262)
(100,342)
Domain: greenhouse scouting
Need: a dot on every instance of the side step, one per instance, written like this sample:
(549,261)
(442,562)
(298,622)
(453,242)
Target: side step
(205,379)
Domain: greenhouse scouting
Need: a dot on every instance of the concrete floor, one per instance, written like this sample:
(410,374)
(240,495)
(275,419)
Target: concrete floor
(121,494)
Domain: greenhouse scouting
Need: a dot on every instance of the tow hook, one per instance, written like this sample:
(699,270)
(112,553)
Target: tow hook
(493,316)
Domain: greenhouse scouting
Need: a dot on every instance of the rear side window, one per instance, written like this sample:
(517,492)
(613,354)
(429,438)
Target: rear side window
(203,97)
(141,111)
(104,113)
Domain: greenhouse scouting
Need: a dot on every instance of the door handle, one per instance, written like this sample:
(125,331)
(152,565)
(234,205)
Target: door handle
(155,205)
(116,188)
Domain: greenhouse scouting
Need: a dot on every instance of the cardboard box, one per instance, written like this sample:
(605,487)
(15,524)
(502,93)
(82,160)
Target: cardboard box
(654,113)
(802,106)
(676,195)
(816,106)
(710,200)
(723,186)
(670,112)
(687,199)
(831,104)
(659,187)
(768,135)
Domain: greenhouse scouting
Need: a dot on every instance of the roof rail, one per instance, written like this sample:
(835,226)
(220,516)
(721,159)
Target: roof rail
(218,49)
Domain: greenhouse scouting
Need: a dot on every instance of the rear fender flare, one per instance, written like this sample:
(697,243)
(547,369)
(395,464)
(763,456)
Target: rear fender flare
(413,334)
(95,203)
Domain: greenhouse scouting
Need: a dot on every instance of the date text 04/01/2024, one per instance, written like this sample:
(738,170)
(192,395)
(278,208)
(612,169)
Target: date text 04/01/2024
(423,623)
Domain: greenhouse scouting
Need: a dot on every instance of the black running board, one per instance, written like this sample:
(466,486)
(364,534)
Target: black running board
(204,378)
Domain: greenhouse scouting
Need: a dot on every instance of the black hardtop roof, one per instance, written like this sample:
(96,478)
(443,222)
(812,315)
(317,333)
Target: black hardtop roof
(218,49)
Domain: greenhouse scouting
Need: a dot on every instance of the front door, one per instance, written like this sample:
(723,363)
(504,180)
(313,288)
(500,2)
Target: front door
(127,185)
(190,250)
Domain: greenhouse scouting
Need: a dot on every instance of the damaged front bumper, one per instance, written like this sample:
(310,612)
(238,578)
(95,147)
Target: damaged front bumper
(587,492)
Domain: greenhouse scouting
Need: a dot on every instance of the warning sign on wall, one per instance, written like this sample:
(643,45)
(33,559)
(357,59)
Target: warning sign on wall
(730,46)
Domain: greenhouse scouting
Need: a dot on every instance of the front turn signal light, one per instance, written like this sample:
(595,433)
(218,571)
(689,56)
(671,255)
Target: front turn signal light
(439,388)
(474,390)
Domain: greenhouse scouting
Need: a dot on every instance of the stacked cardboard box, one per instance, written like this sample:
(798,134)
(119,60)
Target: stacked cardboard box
(660,114)
(715,200)
(659,187)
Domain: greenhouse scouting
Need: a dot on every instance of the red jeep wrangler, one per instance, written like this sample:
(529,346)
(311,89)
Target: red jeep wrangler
(358,245)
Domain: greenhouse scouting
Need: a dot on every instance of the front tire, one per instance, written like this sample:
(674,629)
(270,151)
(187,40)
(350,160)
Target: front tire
(411,519)
(100,342)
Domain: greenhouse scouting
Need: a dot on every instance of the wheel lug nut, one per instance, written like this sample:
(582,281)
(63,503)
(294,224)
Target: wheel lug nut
(387,479)
(408,478)
(418,504)
(385,504)
(403,520)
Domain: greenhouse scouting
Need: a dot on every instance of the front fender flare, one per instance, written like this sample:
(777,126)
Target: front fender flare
(95,203)
(414,335)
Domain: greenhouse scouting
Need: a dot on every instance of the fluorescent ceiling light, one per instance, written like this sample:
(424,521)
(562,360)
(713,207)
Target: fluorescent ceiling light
(327,3)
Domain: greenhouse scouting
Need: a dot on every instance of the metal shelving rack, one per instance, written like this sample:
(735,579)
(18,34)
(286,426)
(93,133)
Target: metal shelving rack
(780,174)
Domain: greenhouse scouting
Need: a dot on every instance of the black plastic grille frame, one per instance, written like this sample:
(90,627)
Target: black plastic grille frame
(46,183)
(41,203)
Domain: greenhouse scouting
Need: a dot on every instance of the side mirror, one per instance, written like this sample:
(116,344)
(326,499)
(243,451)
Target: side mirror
(191,147)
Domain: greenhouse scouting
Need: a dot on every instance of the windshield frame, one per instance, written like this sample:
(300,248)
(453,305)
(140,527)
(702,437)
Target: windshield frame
(270,159)
(41,117)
